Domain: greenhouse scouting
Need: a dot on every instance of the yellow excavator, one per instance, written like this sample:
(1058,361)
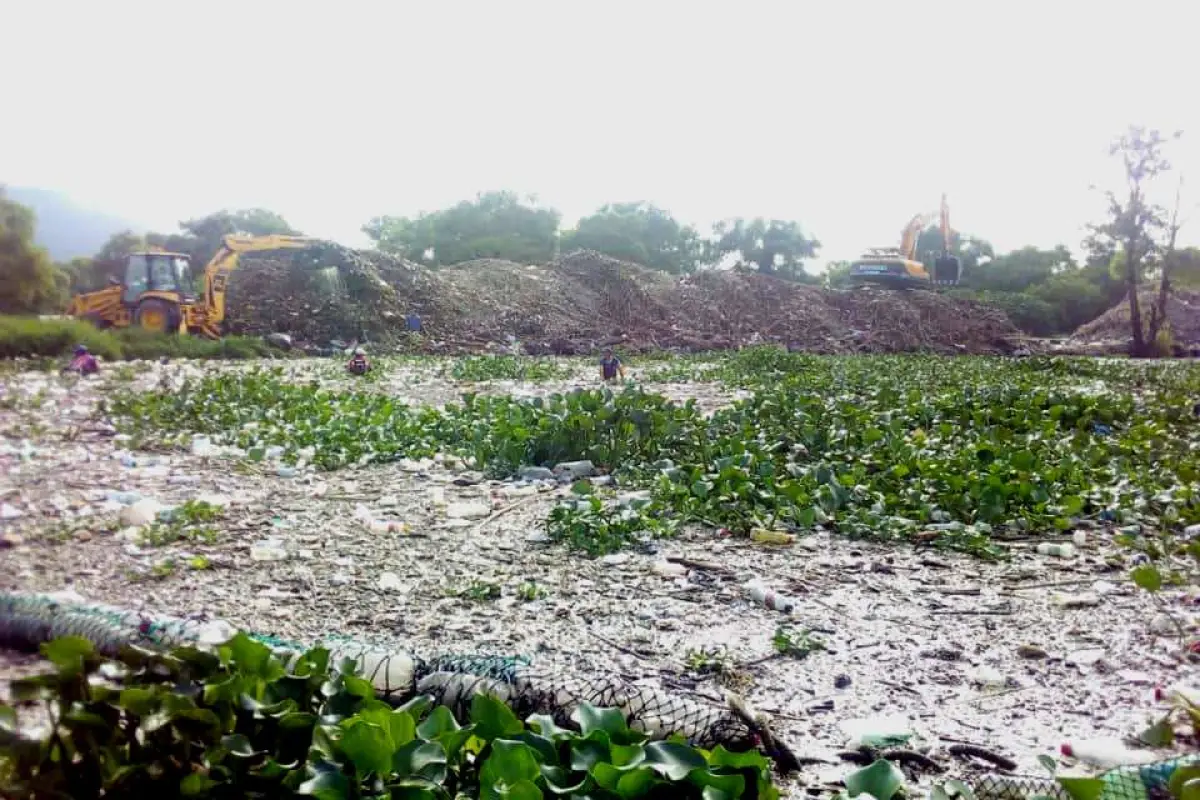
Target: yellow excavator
(155,293)
(899,268)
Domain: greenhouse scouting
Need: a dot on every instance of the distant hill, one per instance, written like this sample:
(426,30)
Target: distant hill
(66,228)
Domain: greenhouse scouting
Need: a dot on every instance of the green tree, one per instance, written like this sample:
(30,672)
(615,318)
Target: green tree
(108,264)
(29,281)
(493,225)
(638,232)
(200,238)
(1185,271)
(837,274)
(774,247)
(1019,270)
(1135,225)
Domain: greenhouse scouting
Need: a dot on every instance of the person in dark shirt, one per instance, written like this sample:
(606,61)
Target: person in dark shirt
(610,367)
(358,364)
(84,363)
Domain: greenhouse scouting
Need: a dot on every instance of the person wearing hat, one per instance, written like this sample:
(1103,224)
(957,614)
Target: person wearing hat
(84,363)
(358,364)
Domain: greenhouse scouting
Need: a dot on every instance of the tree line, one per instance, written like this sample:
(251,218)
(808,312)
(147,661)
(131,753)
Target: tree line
(1044,291)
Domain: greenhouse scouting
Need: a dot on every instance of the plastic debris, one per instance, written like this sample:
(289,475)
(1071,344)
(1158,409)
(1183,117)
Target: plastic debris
(764,536)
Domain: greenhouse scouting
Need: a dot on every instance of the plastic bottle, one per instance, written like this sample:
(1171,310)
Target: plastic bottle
(776,602)
(1106,753)
(764,536)
(1062,550)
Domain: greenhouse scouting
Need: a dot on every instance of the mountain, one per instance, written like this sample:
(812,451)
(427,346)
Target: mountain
(66,228)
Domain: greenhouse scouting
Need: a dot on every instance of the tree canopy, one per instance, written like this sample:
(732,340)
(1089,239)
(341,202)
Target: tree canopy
(29,282)
(641,233)
(493,225)
(774,247)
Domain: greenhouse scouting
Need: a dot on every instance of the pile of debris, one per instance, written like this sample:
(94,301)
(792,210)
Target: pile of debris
(329,292)
(585,300)
(1110,332)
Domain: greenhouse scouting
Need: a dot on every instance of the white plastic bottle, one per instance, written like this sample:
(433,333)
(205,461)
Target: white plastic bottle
(1107,753)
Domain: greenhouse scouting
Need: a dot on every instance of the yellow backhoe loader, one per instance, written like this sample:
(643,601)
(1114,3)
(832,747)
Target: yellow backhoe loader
(899,268)
(155,293)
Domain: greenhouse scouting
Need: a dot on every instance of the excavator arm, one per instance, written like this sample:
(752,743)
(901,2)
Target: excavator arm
(216,272)
(911,235)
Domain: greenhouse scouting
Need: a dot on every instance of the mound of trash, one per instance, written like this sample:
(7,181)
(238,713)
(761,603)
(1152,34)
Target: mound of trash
(584,300)
(1112,328)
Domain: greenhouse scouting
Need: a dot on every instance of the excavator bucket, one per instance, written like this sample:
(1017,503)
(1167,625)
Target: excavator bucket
(946,270)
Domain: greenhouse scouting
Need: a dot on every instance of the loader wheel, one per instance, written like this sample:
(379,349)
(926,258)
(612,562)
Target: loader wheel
(157,316)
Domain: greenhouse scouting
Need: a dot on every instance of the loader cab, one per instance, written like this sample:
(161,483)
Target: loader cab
(157,272)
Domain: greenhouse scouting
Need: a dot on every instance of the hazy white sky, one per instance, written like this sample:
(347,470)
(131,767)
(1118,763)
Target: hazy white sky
(847,116)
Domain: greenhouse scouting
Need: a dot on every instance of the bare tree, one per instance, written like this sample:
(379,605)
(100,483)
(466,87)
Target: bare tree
(1134,223)
(1158,314)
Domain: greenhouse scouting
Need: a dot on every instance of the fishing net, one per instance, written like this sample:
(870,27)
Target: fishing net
(1143,782)
(26,620)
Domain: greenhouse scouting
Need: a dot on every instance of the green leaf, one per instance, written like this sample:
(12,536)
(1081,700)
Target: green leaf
(673,759)
(1048,763)
(637,782)
(399,725)
(609,720)
(1189,790)
(509,763)
(590,750)
(750,759)
(1160,734)
(719,787)
(1147,577)
(522,790)
(559,781)
(493,719)
(1181,777)
(328,784)
(421,759)
(546,726)
(626,757)
(1024,461)
(882,780)
(416,789)
(68,652)
(196,784)
(237,744)
(1082,788)
(368,746)
(141,702)
(248,656)
(439,721)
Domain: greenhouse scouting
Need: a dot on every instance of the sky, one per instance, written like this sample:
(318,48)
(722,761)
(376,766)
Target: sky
(849,117)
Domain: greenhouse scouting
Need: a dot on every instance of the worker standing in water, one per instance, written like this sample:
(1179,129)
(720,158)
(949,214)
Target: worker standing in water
(610,367)
(83,363)
(358,364)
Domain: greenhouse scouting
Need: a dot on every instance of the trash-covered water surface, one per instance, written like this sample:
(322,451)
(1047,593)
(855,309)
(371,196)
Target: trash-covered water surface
(844,642)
